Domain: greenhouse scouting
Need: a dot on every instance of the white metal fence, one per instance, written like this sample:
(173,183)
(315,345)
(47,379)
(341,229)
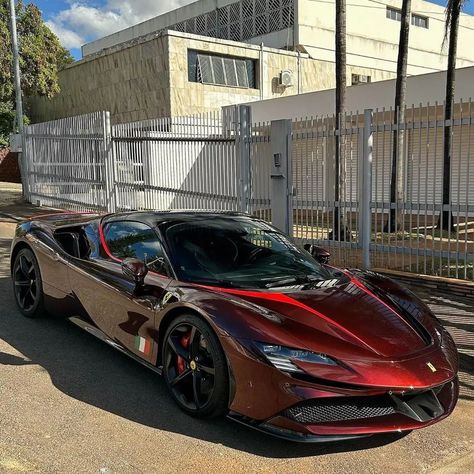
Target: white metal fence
(64,163)
(282,171)
(179,163)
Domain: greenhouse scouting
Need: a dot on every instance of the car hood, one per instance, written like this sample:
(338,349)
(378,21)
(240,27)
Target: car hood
(380,334)
(344,316)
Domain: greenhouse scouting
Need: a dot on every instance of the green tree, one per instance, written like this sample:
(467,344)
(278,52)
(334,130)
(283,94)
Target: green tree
(41,57)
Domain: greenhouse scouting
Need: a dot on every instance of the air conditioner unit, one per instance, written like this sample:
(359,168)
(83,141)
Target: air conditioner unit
(286,78)
(360,79)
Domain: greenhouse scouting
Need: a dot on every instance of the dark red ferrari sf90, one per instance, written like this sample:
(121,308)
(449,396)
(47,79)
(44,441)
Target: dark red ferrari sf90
(241,321)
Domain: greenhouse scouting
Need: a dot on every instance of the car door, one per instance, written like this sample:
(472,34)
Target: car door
(113,302)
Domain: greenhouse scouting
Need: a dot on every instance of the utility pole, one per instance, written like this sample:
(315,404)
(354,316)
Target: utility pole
(16,69)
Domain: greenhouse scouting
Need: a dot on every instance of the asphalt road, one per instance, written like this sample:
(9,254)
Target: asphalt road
(70,404)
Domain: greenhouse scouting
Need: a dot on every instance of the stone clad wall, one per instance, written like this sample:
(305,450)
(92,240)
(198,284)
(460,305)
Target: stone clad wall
(190,97)
(149,79)
(132,83)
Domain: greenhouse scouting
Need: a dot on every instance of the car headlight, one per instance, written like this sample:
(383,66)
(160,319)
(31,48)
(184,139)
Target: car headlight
(281,357)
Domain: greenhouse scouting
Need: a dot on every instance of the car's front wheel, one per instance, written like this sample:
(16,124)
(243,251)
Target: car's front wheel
(195,368)
(27,284)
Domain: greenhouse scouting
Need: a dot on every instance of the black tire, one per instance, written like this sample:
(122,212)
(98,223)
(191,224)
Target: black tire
(199,382)
(27,284)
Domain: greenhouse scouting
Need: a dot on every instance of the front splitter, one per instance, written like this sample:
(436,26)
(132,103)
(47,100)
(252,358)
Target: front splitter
(289,435)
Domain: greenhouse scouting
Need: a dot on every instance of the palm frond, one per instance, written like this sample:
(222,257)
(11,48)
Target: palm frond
(451,6)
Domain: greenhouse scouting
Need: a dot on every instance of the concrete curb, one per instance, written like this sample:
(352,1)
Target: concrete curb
(447,285)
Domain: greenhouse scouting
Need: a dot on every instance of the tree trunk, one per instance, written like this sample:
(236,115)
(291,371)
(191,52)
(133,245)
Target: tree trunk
(395,218)
(445,221)
(340,231)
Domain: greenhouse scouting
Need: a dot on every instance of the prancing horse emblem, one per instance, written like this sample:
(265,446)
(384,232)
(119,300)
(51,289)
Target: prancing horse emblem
(431,366)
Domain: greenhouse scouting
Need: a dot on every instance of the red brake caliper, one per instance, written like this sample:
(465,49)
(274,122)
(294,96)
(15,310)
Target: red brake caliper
(180,362)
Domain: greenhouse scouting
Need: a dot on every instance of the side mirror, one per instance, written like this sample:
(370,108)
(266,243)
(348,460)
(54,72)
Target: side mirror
(318,253)
(135,270)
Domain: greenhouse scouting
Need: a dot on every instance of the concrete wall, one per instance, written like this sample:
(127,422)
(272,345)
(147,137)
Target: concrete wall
(190,97)
(133,84)
(372,39)
(277,39)
(149,79)
(154,24)
(422,89)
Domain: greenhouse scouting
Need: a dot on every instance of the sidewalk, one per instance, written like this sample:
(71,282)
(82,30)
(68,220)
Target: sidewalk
(13,207)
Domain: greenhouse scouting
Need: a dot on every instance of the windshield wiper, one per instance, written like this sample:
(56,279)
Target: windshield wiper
(296,279)
(215,282)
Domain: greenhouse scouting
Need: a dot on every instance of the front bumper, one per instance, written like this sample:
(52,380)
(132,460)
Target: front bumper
(315,410)
(341,418)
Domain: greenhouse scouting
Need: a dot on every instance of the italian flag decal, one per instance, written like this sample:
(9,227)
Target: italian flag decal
(143,345)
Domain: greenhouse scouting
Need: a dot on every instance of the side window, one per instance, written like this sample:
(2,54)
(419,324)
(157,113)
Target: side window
(137,240)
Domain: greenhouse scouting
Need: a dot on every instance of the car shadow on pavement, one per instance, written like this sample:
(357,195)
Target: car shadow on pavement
(90,371)
(9,359)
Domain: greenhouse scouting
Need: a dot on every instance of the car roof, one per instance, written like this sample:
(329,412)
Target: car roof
(156,217)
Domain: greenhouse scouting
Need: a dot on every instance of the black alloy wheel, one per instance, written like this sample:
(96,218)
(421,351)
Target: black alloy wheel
(27,284)
(194,367)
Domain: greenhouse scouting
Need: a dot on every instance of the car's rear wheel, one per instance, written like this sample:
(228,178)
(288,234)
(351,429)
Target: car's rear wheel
(195,368)
(27,284)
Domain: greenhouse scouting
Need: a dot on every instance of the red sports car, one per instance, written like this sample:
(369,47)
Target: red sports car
(241,321)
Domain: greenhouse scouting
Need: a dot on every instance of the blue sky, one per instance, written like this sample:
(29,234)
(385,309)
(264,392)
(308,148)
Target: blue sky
(79,21)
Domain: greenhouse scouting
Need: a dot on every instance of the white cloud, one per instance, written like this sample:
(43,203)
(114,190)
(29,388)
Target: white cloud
(83,21)
(69,39)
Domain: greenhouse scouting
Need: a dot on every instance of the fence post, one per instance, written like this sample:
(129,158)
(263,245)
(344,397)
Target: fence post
(366,194)
(244,137)
(23,166)
(109,165)
(281,177)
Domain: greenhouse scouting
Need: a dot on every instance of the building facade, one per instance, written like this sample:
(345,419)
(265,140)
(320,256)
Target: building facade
(373,29)
(175,74)
(214,53)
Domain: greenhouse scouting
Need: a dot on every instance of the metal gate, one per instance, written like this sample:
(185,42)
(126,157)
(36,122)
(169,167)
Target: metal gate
(64,163)
(179,163)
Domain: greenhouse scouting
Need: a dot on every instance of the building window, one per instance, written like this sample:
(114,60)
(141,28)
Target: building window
(418,20)
(394,14)
(221,70)
(360,79)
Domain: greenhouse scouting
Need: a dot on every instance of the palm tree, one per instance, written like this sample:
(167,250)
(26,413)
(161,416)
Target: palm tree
(339,229)
(453,11)
(396,178)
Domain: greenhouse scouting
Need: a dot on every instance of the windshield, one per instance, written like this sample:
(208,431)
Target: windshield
(239,253)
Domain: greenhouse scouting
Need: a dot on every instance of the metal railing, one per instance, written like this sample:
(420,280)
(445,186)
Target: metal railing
(178,163)
(419,242)
(64,162)
(281,171)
